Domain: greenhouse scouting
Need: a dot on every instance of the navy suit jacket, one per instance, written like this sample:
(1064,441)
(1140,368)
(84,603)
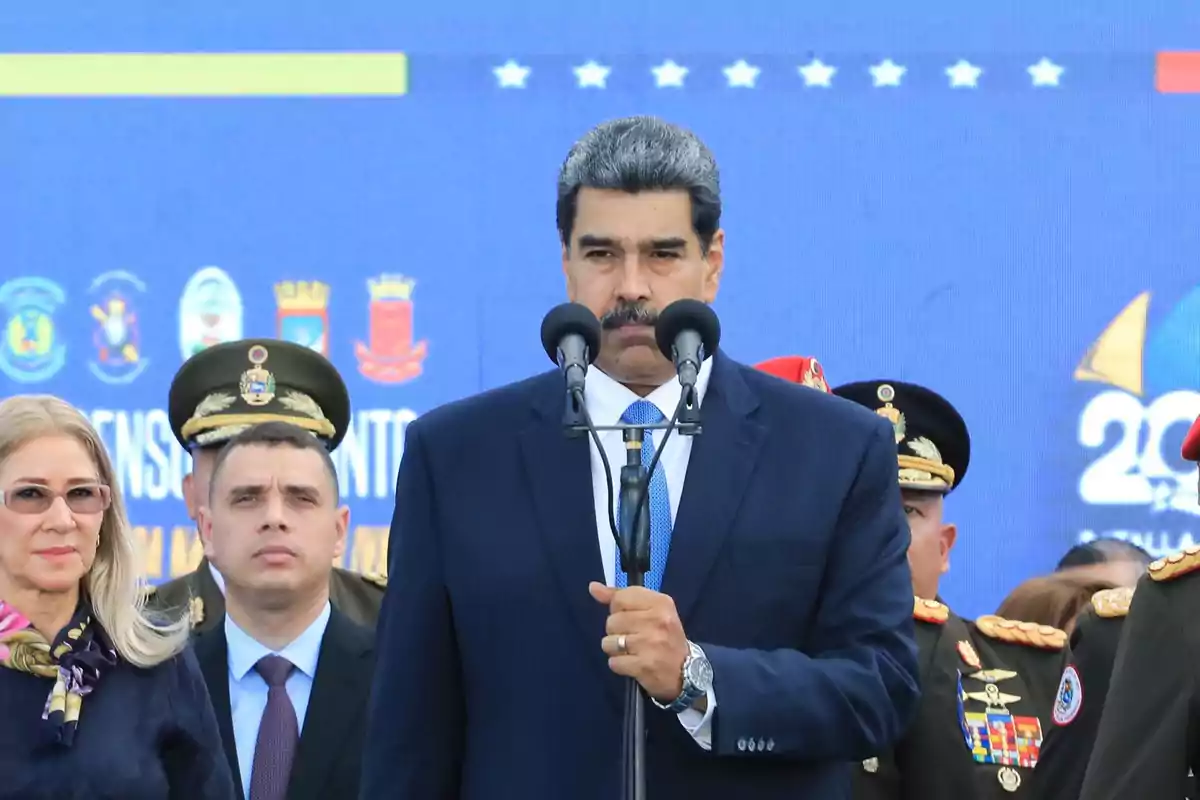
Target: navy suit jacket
(787,565)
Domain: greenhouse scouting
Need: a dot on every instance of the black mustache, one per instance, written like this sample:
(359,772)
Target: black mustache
(629,314)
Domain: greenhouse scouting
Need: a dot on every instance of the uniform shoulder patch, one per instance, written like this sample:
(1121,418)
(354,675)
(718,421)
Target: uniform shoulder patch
(1111,603)
(1176,565)
(1031,634)
(377,578)
(930,611)
(1069,699)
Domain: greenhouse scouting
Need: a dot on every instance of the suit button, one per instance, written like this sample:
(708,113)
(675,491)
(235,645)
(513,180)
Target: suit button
(770,745)
(742,745)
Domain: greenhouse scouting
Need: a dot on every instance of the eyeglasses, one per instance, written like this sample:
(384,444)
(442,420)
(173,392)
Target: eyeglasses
(33,499)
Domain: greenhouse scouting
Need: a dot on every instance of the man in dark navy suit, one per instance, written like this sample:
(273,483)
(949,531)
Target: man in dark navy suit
(774,636)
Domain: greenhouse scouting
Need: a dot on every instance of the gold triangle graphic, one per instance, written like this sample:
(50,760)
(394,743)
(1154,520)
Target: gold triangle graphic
(1115,358)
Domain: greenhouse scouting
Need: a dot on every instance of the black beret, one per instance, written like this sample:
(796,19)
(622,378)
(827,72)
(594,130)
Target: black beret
(228,387)
(932,442)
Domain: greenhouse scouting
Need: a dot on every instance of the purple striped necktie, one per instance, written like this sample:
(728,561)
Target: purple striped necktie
(278,733)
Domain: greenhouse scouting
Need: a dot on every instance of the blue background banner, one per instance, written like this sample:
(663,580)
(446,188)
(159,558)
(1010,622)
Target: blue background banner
(1023,241)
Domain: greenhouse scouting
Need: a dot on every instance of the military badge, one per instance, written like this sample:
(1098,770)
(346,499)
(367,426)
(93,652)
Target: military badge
(257,384)
(1010,779)
(886,394)
(196,611)
(814,377)
(1069,699)
(967,653)
(995,735)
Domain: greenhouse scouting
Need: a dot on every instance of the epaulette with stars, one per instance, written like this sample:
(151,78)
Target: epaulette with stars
(1112,603)
(1177,565)
(930,611)
(1030,634)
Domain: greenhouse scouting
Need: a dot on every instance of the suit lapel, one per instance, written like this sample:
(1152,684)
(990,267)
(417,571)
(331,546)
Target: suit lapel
(213,654)
(336,706)
(719,470)
(559,473)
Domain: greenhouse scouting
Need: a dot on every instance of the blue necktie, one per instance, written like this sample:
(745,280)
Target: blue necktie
(643,412)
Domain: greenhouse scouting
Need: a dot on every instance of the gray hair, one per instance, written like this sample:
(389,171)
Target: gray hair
(637,154)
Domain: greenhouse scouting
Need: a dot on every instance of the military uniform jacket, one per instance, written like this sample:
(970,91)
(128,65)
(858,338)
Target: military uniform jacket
(1149,737)
(987,687)
(355,595)
(1081,695)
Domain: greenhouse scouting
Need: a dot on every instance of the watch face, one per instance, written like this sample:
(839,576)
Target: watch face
(700,674)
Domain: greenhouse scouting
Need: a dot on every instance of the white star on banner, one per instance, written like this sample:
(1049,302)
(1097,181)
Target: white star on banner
(964,74)
(592,74)
(669,73)
(817,73)
(511,75)
(741,75)
(1045,73)
(887,73)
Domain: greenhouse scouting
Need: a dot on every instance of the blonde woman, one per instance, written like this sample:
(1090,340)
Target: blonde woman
(96,701)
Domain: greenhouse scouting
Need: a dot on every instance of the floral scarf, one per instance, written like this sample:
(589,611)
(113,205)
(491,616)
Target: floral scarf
(75,660)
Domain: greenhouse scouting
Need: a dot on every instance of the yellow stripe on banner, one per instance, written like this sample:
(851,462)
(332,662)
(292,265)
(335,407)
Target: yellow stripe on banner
(203,74)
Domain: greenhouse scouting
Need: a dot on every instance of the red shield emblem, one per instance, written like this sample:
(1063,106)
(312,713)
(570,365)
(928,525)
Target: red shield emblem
(391,355)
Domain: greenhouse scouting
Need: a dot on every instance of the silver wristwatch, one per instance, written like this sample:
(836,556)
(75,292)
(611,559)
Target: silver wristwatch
(697,680)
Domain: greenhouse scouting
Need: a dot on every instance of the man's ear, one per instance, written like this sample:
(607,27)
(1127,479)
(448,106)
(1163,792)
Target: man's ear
(342,524)
(189,497)
(204,526)
(946,540)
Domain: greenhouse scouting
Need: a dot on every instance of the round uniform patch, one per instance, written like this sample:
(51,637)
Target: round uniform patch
(1069,699)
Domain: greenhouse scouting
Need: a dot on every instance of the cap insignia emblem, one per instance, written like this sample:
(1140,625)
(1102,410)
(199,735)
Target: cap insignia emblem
(257,384)
(886,394)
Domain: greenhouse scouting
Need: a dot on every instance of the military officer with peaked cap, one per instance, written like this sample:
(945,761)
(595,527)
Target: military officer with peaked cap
(1146,744)
(225,389)
(988,684)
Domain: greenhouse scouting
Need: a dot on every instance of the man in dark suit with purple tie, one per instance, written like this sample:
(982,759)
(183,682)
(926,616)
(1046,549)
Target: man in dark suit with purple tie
(774,636)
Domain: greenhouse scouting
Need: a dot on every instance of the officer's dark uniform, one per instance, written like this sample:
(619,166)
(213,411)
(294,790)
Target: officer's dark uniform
(227,388)
(1149,737)
(1081,695)
(987,685)
(1148,741)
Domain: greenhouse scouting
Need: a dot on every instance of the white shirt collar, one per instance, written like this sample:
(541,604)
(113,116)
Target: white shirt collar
(245,651)
(217,577)
(607,399)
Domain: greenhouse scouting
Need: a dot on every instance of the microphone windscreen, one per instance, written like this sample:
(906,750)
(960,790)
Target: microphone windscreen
(566,319)
(684,315)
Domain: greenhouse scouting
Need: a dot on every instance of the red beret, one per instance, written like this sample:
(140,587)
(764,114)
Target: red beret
(1191,443)
(797,369)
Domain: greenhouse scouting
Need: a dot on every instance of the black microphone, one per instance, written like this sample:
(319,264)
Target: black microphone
(687,332)
(571,337)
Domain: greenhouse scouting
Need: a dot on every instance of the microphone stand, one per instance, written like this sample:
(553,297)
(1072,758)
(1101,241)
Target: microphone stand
(633,542)
(635,561)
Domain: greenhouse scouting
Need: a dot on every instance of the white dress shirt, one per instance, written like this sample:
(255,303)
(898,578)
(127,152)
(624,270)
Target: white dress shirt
(248,690)
(607,400)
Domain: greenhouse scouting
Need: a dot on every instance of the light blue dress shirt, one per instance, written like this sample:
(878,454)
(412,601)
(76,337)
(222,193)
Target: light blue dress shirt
(248,690)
